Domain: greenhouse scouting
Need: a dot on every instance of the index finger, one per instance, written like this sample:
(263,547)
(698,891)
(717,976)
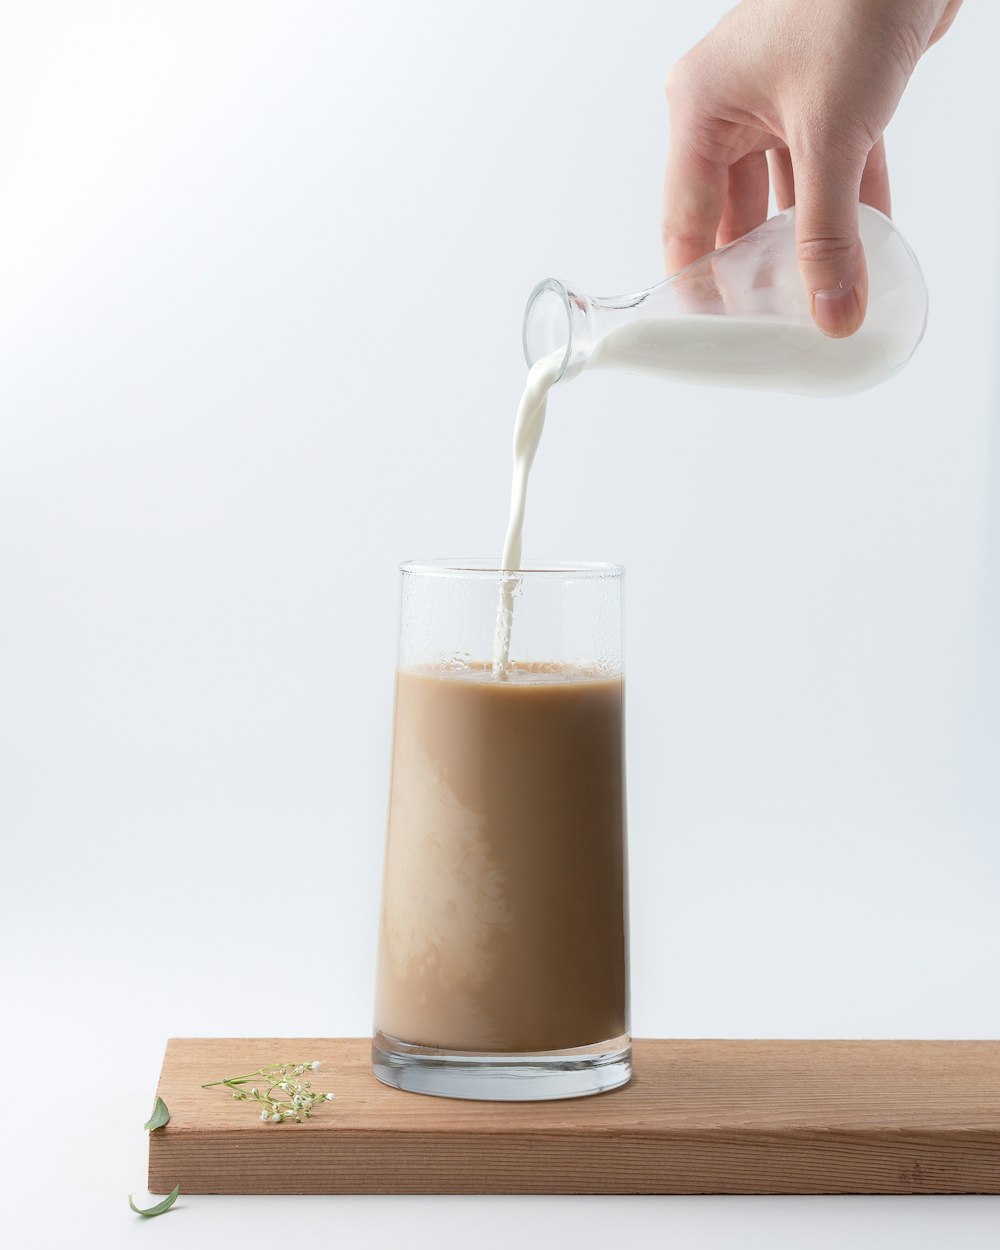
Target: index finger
(694,195)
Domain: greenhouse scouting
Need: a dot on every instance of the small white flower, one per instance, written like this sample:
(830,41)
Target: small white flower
(296,1099)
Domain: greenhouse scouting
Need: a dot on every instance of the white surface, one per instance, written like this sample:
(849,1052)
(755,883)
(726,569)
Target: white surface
(226,230)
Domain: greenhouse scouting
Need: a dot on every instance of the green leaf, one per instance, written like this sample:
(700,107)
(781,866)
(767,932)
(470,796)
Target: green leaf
(160,1207)
(159,1117)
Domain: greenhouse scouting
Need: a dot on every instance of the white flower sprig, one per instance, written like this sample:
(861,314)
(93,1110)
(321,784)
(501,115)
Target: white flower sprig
(286,1096)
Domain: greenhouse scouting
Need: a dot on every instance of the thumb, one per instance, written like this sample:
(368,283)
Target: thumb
(831,259)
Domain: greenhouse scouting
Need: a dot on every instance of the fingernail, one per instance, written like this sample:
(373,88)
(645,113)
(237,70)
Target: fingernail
(838,311)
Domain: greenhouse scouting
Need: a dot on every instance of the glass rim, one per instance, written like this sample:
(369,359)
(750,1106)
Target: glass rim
(477,566)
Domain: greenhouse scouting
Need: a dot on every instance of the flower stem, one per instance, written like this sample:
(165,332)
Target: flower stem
(235,1080)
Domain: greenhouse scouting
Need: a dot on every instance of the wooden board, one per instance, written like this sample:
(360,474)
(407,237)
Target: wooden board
(722,1117)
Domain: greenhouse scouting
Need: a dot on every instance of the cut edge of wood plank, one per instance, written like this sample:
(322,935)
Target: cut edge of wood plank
(701,1117)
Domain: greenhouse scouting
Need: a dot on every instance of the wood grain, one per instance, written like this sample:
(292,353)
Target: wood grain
(723,1117)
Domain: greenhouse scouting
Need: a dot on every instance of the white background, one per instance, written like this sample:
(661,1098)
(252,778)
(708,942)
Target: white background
(262,268)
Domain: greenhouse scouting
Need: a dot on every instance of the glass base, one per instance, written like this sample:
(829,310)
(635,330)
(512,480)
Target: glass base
(496,1077)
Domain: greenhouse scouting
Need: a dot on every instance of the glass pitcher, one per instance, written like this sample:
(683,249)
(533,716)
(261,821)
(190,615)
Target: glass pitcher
(740,317)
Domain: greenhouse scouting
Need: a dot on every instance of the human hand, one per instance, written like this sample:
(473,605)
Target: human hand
(804,88)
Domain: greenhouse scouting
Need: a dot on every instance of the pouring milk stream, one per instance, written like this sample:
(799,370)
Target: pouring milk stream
(736,318)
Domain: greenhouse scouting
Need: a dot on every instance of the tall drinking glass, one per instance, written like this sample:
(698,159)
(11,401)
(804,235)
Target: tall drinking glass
(503,942)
